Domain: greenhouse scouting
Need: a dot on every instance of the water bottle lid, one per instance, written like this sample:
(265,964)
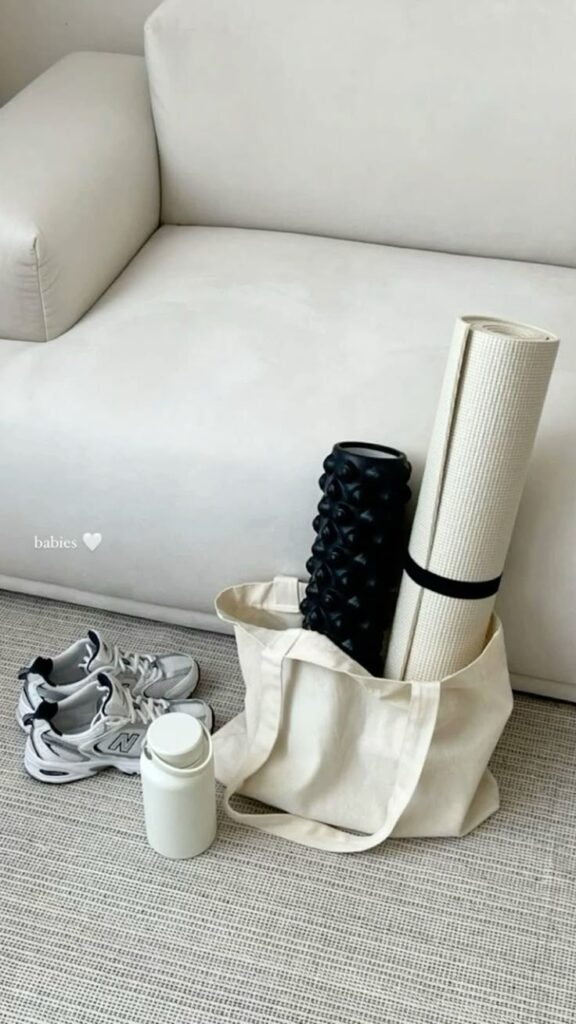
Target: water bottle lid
(177,739)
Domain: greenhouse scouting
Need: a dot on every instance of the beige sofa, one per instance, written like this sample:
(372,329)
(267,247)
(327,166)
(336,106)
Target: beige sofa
(201,293)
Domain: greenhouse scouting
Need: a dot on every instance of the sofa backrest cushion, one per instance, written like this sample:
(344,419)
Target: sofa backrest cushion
(446,125)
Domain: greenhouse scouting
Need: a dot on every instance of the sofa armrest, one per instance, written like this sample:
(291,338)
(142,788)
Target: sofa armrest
(79,189)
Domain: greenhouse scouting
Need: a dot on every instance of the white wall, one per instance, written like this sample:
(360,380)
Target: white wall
(35,33)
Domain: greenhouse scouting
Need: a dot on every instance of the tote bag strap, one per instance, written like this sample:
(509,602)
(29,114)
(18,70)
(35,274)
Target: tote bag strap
(420,723)
(285,595)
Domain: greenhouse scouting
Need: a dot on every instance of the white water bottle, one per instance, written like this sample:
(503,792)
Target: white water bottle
(177,767)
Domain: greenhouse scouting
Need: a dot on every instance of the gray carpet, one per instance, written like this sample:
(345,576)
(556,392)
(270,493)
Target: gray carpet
(97,929)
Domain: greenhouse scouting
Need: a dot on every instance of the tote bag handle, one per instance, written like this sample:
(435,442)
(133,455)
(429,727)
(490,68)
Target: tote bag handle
(420,723)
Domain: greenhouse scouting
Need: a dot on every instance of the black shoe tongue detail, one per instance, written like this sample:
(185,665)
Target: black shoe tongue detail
(42,667)
(95,642)
(45,713)
(113,702)
(106,684)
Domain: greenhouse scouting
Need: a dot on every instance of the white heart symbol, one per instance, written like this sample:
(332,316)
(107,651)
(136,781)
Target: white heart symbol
(92,540)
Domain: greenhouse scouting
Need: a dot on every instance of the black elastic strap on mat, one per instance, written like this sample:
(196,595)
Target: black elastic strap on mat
(447,587)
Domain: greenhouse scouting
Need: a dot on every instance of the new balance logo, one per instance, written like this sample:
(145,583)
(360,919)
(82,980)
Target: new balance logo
(123,742)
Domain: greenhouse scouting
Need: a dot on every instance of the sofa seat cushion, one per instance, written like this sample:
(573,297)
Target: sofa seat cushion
(185,418)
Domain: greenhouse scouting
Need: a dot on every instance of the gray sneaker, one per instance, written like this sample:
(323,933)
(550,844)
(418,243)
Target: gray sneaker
(101,725)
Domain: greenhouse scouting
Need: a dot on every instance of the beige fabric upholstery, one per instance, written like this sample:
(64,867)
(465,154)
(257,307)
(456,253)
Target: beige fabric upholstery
(433,125)
(187,415)
(79,190)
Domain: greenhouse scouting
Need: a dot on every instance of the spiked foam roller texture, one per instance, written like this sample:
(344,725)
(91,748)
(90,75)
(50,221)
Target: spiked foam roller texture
(357,556)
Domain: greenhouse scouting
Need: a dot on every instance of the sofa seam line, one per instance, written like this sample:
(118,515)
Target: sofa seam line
(540,679)
(40,292)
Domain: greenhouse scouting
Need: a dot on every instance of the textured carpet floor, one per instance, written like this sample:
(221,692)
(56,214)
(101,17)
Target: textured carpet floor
(97,929)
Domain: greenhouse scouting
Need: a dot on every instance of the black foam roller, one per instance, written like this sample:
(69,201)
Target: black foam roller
(357,557)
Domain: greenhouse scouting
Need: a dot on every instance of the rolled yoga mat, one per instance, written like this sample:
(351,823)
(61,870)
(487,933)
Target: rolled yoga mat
(490,404)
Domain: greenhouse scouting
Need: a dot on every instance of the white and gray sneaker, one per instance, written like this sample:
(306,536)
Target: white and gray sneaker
(166,676)
(101,725)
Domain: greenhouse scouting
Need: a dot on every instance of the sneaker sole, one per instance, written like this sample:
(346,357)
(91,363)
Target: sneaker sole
(57,772)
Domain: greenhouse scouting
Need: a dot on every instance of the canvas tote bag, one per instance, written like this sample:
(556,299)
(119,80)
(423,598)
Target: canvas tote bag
(340,752)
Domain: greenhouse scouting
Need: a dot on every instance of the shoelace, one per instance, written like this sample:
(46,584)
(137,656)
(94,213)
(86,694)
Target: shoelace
(140,709)
(140,665)
(144,709)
